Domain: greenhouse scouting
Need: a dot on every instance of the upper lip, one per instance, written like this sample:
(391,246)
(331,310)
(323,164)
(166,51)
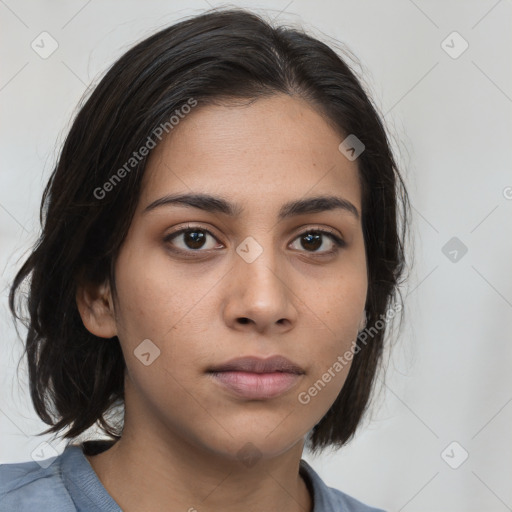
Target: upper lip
(255,364)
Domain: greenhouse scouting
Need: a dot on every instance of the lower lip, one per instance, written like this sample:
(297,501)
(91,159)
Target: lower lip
(257,386)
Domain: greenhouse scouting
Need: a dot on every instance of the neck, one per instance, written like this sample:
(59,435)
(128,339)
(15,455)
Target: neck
(153,470)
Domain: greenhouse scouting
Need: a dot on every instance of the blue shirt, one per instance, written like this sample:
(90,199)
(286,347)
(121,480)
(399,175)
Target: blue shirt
(69,484)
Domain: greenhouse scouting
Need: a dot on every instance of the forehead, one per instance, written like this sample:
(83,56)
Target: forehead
(268,151)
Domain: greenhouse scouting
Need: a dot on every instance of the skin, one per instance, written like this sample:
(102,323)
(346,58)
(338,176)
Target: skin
(183,430)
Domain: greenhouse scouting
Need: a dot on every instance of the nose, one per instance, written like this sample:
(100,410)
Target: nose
(260,295)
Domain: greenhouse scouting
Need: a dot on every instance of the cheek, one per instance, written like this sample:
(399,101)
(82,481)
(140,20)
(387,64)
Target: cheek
(337,304)
(335,309)
(159,302)
(152,298)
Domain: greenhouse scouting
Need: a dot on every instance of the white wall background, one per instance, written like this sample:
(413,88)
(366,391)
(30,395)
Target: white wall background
(449,377)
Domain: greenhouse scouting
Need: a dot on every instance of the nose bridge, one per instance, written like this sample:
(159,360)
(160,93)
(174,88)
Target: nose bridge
(262,294)
(258,262)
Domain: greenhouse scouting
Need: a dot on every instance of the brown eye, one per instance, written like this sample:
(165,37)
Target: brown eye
(313,240)
(194,239)
(191,239)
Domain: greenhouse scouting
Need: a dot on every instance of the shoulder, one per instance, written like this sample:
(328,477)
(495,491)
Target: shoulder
(347,503)
(28,486)
(329,499)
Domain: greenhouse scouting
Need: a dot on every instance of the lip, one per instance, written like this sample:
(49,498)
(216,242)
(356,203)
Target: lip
(256,364)
(256,378)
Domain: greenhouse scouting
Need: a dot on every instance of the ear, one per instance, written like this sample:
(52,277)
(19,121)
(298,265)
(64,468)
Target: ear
(96,308)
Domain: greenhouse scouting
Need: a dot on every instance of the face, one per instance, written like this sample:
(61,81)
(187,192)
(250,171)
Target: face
(252,283)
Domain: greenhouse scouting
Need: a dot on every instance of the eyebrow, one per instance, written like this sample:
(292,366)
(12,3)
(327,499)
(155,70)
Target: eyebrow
(215,204)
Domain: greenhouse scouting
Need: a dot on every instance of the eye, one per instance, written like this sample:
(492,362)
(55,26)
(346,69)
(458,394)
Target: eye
(195,239)
(314,239)
(190,239)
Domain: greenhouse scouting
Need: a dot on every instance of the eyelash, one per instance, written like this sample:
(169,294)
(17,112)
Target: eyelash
(338,242)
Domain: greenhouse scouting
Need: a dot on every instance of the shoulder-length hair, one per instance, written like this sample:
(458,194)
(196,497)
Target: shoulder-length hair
(76,378)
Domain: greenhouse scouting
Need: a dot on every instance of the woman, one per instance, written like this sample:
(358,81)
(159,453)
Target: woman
(222,224)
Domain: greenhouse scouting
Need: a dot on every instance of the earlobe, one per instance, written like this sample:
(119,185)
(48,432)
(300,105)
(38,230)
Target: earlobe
(95,305)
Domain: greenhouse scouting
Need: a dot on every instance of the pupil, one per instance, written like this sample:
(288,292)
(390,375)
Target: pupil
(315,238)
(194,239)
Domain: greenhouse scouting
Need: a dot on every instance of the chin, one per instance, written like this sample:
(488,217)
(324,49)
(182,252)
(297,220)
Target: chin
(251,444)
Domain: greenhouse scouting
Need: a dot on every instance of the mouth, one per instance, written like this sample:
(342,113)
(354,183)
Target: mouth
(254,378)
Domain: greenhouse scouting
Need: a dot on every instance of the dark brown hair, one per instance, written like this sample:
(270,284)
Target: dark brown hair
(75,377)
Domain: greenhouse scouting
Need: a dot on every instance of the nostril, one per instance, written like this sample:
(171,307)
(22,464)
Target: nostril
(243,320)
